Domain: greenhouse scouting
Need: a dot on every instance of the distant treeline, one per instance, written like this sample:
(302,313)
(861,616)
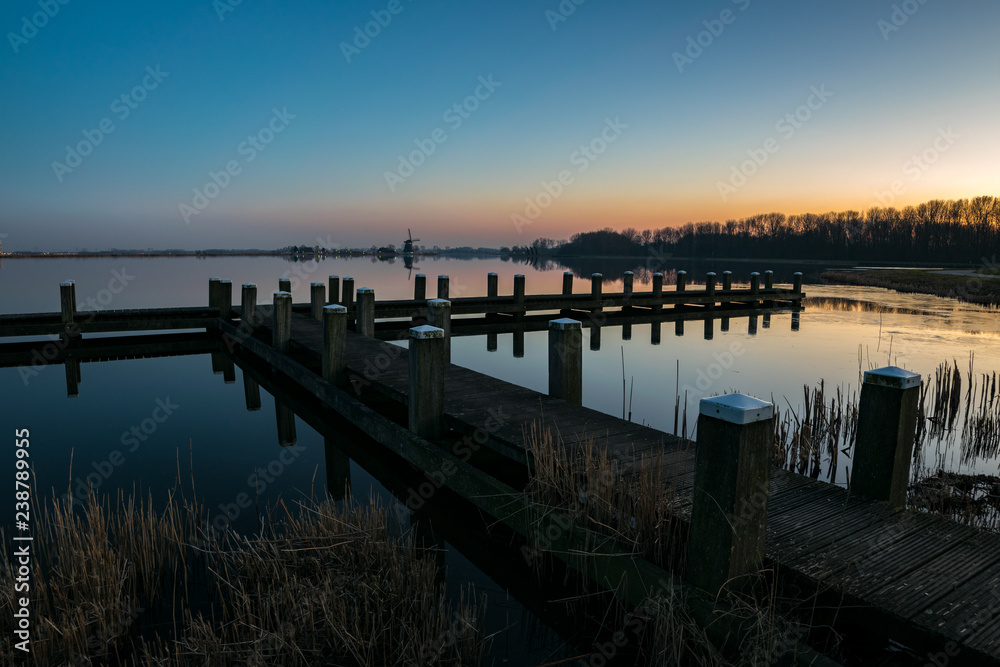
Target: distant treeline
(959,230)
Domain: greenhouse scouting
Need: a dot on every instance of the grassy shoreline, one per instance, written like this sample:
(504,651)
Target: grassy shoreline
(980,289)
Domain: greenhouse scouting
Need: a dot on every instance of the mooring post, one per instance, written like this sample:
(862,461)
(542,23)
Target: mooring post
(681,281)
(566,360)
(727,280)
(282,325)
(492,285)
(334,295)
(724,324)
(213,291)
(655,333)
(347,291)
(251,393)
(225,299)
(755,288)
(67,304)
(518,350)
(285,284)
(752,325)
(595,337)
(797,283)
(887,421)
(596,290)
(628,281)
(317,299)
(491,342)
(731,479)
(426,409)
(709,328)
(710,288)
(657,291)
(248,308)
(334,342)
(679,328)
(567,288)
(365,323)
(439,315)
(443,286)
(768,284)
(286,422)
(519,295)
(420,287)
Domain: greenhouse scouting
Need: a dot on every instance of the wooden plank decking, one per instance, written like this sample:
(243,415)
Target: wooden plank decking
(927,574)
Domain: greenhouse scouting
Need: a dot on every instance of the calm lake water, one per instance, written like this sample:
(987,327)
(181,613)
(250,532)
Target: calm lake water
(207,433)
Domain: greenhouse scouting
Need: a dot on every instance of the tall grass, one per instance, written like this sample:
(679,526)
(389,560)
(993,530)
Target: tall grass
(119,583)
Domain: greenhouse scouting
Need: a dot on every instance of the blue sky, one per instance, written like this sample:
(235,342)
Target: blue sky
(891,91)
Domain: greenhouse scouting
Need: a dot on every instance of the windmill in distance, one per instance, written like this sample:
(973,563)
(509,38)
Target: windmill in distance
(408,243)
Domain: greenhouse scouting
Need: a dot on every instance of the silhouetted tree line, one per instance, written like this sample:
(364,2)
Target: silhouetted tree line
(959,229)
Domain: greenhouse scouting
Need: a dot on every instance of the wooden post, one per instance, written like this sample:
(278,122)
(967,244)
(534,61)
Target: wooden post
(628,279)
(752,325)
(365,324)
(285,284)
(248,308)
(518,343)
(755,288)
(710,287)
(347,294)
(887,420)
(566,360)
(567,288)
(797,283)
(596,289)
(67,304)
(655,333)
(519,295)
(795,322)
(657,291)
(491,342)
(709,328)
(334,294)
(681,281)
(286,421)
(439,315)
(317,299)
(251,393)
(492,290)
(226,299)
(724,324)
(420,287)
(214,295)
(334,342)
(731,480)
(626,331)
(595,337)
(727,280)
(768,279)
(679,328)
(442,287)
(281,328)
(426,408)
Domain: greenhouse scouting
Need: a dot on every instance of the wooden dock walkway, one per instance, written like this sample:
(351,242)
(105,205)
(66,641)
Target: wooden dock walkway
(932,580)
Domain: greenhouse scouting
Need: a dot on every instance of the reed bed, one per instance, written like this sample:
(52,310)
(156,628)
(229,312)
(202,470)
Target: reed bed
(639,507)
(121,584)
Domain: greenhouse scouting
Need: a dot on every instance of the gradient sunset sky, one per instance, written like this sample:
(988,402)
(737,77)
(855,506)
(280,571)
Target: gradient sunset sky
(689,92)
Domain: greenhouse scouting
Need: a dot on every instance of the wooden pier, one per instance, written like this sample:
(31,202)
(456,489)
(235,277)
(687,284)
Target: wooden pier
(925,580)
